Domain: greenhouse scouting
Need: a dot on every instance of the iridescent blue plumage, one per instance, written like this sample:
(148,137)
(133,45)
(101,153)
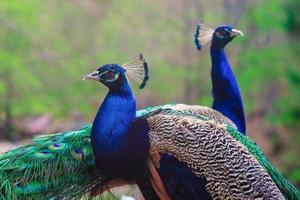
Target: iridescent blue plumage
(226,94)
(120,143)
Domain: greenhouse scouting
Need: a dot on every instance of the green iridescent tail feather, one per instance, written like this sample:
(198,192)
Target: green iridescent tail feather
(287,188)
(53,166)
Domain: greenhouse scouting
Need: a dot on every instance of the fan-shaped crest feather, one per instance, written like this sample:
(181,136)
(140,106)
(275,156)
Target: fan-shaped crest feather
(203,35)
(138,70)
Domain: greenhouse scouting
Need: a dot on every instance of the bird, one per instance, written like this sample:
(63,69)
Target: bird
(120,142)
(226,93)
(226,99)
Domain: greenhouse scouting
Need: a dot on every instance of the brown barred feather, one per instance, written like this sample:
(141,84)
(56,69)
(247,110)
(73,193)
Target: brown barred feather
(231,171)
(201,111)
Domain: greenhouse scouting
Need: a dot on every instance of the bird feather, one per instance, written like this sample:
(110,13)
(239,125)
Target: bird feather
(138,70)
(203,35)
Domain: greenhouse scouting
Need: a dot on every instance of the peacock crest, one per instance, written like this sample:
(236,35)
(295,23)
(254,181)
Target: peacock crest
(203,35)
(137,69)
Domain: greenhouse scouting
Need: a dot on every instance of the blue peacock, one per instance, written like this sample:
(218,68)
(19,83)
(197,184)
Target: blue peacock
(226,94)
(177,177)
(121,141)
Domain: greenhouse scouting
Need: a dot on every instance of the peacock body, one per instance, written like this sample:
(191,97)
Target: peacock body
(226,93)
(226,99)
(39,171)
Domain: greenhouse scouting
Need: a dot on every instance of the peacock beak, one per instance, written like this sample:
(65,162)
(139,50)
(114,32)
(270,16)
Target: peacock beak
(92,76)
(235,32)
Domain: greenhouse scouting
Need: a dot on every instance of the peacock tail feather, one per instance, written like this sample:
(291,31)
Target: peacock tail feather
(230,170)
(200,112)
(288,189)
(52,166)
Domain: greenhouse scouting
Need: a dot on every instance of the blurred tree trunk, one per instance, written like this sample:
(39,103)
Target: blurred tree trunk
(185,49)
(7,126)
(234,11)
(190,91)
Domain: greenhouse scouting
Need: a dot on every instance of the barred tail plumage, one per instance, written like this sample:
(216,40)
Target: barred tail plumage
(287,188)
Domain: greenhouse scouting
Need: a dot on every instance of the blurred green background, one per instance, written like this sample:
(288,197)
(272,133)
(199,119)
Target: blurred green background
(46,47)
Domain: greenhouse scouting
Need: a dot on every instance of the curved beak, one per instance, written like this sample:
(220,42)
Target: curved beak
(235,32)
(92,76)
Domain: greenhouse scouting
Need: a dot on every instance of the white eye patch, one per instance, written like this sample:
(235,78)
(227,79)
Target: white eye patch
(114,78)
(109,76)
(220,34)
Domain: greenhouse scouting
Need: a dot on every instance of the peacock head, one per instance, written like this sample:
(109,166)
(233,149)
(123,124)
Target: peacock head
(111,75)
(220,36)
(114,75)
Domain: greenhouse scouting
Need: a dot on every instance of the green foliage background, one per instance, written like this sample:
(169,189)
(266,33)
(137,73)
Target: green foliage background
(46,47)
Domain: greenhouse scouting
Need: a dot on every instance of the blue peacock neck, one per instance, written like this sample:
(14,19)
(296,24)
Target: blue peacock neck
(226,93)
(113,120)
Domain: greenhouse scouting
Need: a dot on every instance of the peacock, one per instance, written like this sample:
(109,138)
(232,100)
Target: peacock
(120,142)
(226,94)
(177,177)
(226,99)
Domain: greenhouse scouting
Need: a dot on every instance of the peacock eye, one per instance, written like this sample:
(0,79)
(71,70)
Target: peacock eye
(222,33)
(110,74)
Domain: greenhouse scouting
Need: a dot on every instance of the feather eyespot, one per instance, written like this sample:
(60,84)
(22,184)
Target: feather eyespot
(57,146)
(78,153)
(43,154)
